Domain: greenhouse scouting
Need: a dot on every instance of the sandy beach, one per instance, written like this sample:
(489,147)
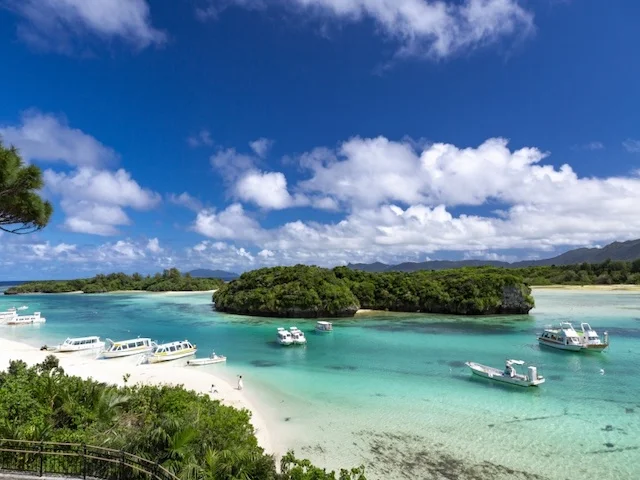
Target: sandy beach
(586,288)
(112,371)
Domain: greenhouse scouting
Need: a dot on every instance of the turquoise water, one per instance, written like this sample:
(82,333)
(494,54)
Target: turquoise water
(391,390)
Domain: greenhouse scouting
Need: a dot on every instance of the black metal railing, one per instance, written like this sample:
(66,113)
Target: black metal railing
(77,460)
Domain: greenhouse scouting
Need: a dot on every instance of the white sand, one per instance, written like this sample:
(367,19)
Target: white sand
(594,288)
(112,371)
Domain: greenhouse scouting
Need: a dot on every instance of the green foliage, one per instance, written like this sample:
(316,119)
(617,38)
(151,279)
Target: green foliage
(299,291)
(604,273)
(21,208)
(303,291)
(191,435)
(465,291)
(169,280)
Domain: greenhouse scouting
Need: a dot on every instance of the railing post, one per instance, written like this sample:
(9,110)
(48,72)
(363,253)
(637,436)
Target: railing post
(41,448)
(122,465)
(84,461)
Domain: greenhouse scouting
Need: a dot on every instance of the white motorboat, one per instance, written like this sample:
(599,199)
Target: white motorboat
(565,337)
(213,358)
(297,336)
(509,374)
(171,351)
(284,337)
(23,307)
(80,344)
(590,340)
(26,319)
(324,327)
(124,348)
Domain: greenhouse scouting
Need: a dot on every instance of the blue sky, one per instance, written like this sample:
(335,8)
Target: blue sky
(234,134)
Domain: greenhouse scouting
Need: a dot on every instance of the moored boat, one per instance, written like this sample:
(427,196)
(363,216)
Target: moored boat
(124,348)
(171,351)
(284,337)
(80,344)
(26,319)
(23,307)
(591,340)
(509,374)
(564,338)
(213,358)
(297,336)
(324,327)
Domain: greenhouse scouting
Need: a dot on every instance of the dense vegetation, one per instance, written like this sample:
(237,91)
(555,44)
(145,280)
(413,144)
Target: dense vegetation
(303,291)
(22,210)
(169,280)
(191,435)
(299,291)
(464,291)
(605,273)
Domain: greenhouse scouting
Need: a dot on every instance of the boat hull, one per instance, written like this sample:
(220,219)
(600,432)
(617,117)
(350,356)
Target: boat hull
(498,376)
(560,346)
(24,323)
(205,361)
(175,356)
(595,348)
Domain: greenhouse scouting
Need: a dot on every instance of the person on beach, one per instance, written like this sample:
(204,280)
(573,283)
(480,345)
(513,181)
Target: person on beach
(240,385)
(213,389)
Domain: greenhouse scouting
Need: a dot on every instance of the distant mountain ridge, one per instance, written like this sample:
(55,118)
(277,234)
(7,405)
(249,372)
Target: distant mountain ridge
(206,273)
(619,251)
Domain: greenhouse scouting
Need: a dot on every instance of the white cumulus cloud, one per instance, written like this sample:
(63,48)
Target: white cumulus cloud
(186,200)
(428,28)
(45,137)
(64,25)
(94,200)
(261,146)
(153,245)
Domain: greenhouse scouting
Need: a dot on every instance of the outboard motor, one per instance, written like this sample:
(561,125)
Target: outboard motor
(533,373)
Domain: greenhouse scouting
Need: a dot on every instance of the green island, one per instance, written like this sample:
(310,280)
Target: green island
(170,280)
(312,292)
(191,435)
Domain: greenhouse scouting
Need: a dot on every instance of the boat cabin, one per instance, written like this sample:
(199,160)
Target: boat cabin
(135,344)
(283,335)
(173,347)
(81,341)
(322,326)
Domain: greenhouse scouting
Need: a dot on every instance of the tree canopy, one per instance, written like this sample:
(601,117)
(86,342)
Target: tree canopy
(191,435)
(22,210)
(170,280)
(303,291)
(299,291)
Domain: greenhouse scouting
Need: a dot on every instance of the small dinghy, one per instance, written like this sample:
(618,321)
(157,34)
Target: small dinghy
(213,358)
(509,374)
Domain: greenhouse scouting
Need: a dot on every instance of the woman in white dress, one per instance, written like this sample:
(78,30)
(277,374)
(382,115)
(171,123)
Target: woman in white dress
(240,385)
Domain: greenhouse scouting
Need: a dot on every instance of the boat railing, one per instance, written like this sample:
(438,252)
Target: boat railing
(77,460)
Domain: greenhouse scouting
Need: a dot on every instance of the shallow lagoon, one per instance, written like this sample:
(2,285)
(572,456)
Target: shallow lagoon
(391,390)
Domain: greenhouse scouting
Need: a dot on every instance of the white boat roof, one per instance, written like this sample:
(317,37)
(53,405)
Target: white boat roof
(69,339)
(174,343)
(121,342)
(322,322)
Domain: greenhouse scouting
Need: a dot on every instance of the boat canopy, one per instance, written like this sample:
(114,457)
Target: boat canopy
(82,339)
